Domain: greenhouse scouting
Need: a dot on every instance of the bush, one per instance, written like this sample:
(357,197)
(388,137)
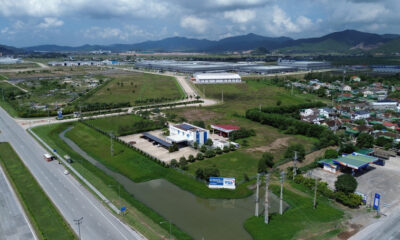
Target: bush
(218,150)
(191,158)
(267,160)
(352,200)
(365,140)
(209,142)
(199,173)
(209,153)
(195,145)
(203,149)
(211,172)
(241,133)
(348,148)
(200,156)
(346,183)
(183,163)
(226,149)
(174,163)
(232,147)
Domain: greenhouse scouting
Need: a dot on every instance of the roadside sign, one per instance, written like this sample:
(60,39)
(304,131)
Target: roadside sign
(54,150)
(221,182)
(123,209)
(59,113)
(377,201)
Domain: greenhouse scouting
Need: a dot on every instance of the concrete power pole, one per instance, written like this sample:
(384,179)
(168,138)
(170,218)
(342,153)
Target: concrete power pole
(294,165)
(79,222)
(257,194)
(222,96)
(281,197)
(2,92)
(266,214)
(315,193)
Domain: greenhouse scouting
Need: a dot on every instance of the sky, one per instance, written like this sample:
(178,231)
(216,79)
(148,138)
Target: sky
(78,22)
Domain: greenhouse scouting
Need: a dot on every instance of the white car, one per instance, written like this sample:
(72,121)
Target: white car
(66,172)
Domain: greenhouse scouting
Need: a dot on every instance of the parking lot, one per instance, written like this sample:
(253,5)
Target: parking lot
(158,151)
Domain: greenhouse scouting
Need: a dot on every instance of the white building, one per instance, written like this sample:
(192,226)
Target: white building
(347,88)
(213,78)
(384,104)
(360,115)
(189,133)
(306,112)
(304,65)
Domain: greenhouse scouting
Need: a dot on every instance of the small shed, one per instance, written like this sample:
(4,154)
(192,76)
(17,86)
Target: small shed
(224,130)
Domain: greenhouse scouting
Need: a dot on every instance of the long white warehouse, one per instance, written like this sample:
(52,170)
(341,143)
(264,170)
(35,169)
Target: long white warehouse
(213,78)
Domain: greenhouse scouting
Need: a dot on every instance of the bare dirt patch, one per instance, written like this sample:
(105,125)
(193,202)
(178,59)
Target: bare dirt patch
(275,145)
(199,114)
(352,229)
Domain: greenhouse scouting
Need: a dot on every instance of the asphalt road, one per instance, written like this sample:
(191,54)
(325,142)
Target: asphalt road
(13,222)
(72,199)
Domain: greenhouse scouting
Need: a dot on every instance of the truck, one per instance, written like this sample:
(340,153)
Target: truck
(49,157)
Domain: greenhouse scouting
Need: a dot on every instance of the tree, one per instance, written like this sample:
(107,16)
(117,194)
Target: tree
(191,158)
(209,142)
(199,173)
(331,153)
(211,172)
(195,145)
(226,149)
(199,123)
(346,183)
(364,140)
(203,149)
(209,153)
(347,148)
(183,163)
(174,163)
(265,162)
(301,152)
(200,156)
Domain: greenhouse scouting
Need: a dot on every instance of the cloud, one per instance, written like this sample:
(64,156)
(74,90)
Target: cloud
(125,33)
(195,24)
(97,9)
(280,23)
(50,22)
(240,16)
(350,12)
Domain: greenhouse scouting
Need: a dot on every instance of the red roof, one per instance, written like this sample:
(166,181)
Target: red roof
(228,127)
(389,124)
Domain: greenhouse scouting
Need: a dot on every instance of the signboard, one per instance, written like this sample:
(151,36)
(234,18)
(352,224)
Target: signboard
(123,209)
(221,182)
(377,200)
(54,150)
(60,114)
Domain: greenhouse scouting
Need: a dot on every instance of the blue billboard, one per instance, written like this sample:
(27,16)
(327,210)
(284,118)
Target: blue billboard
(377,201)
(221,182)
(60,116)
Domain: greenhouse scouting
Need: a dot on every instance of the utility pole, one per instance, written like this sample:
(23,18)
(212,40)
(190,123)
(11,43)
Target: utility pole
(222,97)
(79,222)
(257,194)
(266,220)
(292,88)
(281,197)
(315,193)
(259,107)
(169,227)
(294,164)
(2,92)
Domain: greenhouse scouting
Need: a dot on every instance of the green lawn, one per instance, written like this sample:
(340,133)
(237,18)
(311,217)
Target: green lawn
(124,124)
(301,218)
(233,164)
(18,66)
(136,87)
(48,222)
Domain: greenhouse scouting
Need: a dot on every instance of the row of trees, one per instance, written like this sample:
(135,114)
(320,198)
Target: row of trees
(294,126)
(291,109)
(241,133)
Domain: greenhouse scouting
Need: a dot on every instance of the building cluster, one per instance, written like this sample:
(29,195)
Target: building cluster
(8,60)
(84,63)
(283,66)
(386,68)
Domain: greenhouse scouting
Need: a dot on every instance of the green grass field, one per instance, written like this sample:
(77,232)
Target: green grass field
(300,221)
(18,66)
(47,221)
(124,124)
(137,87)
(6,88)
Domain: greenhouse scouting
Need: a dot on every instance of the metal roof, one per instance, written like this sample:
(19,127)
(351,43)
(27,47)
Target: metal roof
(156,139)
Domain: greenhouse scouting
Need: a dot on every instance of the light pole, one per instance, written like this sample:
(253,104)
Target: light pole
(169,227)
(79,222)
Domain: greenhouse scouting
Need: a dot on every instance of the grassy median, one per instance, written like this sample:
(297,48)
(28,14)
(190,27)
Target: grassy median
(301,221)
(47,221)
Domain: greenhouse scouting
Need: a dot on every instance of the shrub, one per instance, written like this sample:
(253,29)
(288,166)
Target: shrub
(289,154)
(352,200)
(199,173)
(209,153)
(203,149)
(191,158)
(209,142)
(218,150)
(211,172)
(226,149)
(346,183)
(174,163)
(265,161)
(200,156)
(241,133)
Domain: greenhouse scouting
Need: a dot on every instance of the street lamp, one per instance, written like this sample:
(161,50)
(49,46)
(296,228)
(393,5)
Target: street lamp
(79,222)
(169,227)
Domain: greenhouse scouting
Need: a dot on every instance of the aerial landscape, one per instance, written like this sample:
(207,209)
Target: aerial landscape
(209,120)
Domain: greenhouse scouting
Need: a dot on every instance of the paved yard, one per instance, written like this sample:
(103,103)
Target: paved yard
(383,180)
(325,176)
(157,151)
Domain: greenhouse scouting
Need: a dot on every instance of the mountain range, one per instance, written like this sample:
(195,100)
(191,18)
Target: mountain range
(345,42)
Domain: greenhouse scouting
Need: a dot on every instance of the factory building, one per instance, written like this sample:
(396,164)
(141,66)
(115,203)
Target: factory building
(83,63)
(304,65)
(216,78)
(8,60)
(267,69)
(187,133)
(386,68)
